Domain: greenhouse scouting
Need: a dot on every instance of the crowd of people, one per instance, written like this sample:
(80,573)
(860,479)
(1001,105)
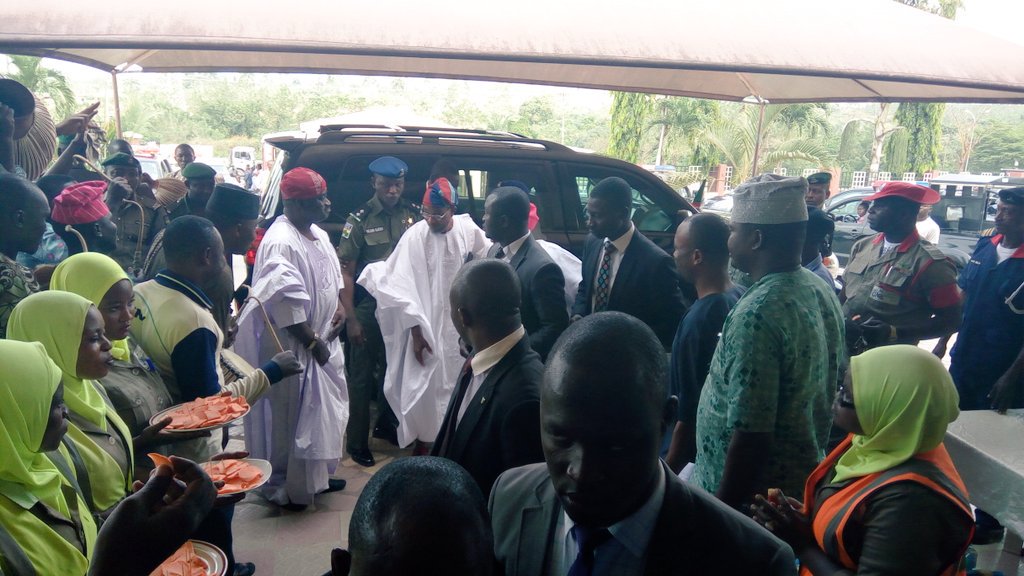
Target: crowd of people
(566,416)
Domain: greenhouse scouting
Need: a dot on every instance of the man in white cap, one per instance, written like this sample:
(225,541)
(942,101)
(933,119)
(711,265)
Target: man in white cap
(764,414)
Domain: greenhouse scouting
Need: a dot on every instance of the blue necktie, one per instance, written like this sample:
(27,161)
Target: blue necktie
(587,540)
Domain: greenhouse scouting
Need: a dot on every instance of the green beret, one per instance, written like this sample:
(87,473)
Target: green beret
(233,201)
(121,159)
(819,178)
(198,170)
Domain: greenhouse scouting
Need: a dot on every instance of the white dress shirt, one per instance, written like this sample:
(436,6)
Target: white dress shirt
(620,243)
(482,363)
(513,248)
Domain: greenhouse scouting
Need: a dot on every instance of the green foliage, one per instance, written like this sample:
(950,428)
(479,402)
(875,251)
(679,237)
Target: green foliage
(676,126)
(1000,145)
(922,123)
(44,82)
(629,117)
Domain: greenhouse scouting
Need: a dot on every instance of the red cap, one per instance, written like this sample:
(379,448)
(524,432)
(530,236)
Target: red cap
(80,203)
(533,219)
(913,192)
(302,183)
(440,194)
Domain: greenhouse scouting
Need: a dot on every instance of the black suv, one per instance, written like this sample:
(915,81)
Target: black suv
(560,179)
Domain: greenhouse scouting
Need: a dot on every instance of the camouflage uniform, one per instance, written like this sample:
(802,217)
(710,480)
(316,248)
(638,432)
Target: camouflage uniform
(370,235)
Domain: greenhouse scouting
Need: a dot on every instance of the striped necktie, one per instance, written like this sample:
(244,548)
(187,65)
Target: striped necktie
(604,278)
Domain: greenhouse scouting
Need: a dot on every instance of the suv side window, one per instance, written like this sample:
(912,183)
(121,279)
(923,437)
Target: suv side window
(845,211)
(647,215)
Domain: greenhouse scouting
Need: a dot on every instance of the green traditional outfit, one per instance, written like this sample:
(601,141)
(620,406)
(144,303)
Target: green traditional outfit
(45,526)
(57,319)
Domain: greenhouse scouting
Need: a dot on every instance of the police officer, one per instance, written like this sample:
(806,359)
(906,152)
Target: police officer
(199,179)
(899,288)
(818,190)
(369,235)
(133,209)
(987,361)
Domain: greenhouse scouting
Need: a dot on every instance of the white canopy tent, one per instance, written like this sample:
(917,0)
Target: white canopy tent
(778,51)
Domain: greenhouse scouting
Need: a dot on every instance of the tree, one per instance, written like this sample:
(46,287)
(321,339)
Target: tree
(45,82)
(678,121)
(999,145)
(630,112)
(789,132)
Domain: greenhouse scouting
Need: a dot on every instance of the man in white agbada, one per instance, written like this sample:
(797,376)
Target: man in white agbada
(411,288)
(298,425)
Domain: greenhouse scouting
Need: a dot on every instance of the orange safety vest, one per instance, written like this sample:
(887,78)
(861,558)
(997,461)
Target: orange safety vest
(933,469)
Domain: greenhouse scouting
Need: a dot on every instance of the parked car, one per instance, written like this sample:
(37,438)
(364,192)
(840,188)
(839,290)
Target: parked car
(843,208)
(560,179)
(156,167)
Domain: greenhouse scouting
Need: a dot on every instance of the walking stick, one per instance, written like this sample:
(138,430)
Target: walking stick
(266,316)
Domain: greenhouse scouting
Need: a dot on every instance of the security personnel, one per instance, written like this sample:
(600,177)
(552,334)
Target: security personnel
(987,361)
(133,209)
(818,190)
(199,179)
(899,288)
(370,234)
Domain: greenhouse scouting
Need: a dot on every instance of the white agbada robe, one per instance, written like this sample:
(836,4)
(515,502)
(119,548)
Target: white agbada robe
(298,425)
(411,288)
(572,270)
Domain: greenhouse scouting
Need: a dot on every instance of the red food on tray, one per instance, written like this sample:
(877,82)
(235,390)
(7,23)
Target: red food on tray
(184,562)
(206,412)
(237,475)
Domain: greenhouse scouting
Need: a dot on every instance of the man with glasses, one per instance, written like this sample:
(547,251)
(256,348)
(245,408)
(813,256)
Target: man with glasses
(413,307)
(370,235)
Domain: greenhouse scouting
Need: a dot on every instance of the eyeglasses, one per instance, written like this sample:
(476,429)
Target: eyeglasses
(431,216)
(845,399)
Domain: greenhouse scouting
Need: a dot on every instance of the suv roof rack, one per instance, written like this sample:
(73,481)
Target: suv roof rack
(368,133)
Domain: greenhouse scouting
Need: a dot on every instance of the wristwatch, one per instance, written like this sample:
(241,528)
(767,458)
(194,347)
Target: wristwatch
(312,343)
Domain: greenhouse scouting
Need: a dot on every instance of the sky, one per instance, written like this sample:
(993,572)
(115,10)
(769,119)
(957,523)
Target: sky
(1003,18)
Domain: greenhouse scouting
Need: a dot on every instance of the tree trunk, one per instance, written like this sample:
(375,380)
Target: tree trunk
(661,144)
(879,141)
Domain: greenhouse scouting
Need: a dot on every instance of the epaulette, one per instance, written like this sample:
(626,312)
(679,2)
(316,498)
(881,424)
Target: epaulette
(934,251)
(358,215)
(415,206)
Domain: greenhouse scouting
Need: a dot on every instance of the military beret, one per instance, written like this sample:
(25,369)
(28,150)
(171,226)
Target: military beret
(1013,196)
(234,201)
(819,178)
(198,170)
(389,167)
(907,190)
(121,159)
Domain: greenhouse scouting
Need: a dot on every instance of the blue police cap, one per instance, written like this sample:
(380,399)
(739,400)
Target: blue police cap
(1014,196)
(389,167)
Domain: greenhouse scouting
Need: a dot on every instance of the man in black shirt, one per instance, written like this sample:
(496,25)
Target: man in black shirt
(702,258)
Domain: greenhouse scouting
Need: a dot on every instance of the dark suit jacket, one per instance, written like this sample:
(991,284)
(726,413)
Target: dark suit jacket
(646,285)
(501,427)
(694,533)
(543,287)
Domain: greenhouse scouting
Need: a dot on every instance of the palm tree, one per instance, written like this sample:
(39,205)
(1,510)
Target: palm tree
(44,82)
(678,120)
(790,132)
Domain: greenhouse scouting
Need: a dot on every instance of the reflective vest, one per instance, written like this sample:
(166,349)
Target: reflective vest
(932,469)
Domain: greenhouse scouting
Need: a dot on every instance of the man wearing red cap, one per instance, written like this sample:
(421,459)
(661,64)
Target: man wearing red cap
(411,288)
(899,288)
(299,424)
(81,207)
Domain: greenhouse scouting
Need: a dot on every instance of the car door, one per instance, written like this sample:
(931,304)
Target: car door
(848,229)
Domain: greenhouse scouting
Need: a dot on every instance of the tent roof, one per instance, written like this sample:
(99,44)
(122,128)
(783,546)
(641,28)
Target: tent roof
(779,50)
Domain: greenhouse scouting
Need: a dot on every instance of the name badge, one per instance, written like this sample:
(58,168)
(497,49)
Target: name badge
(883,296)
(377,229)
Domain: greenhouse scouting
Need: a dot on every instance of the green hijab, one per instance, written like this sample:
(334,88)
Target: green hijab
(56,320)
(28,380)
(904,399)
(91,275)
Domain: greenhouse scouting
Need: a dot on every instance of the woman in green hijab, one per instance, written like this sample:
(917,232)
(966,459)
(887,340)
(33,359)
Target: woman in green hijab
(71,330)
(133,384)
(888,499)
(45,526)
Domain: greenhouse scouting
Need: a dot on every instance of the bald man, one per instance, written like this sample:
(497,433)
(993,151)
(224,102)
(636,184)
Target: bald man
(604,503)
(23,211)
(493,420)
(418,516)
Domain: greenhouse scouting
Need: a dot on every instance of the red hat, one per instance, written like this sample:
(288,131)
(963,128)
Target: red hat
(913,192)
(532,220)
(302,183)
(440,194)
(80,203)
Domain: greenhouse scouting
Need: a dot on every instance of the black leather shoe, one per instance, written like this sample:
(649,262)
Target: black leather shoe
(386,432)
(334,485)
(293,507)
(244,569)
(363,457)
